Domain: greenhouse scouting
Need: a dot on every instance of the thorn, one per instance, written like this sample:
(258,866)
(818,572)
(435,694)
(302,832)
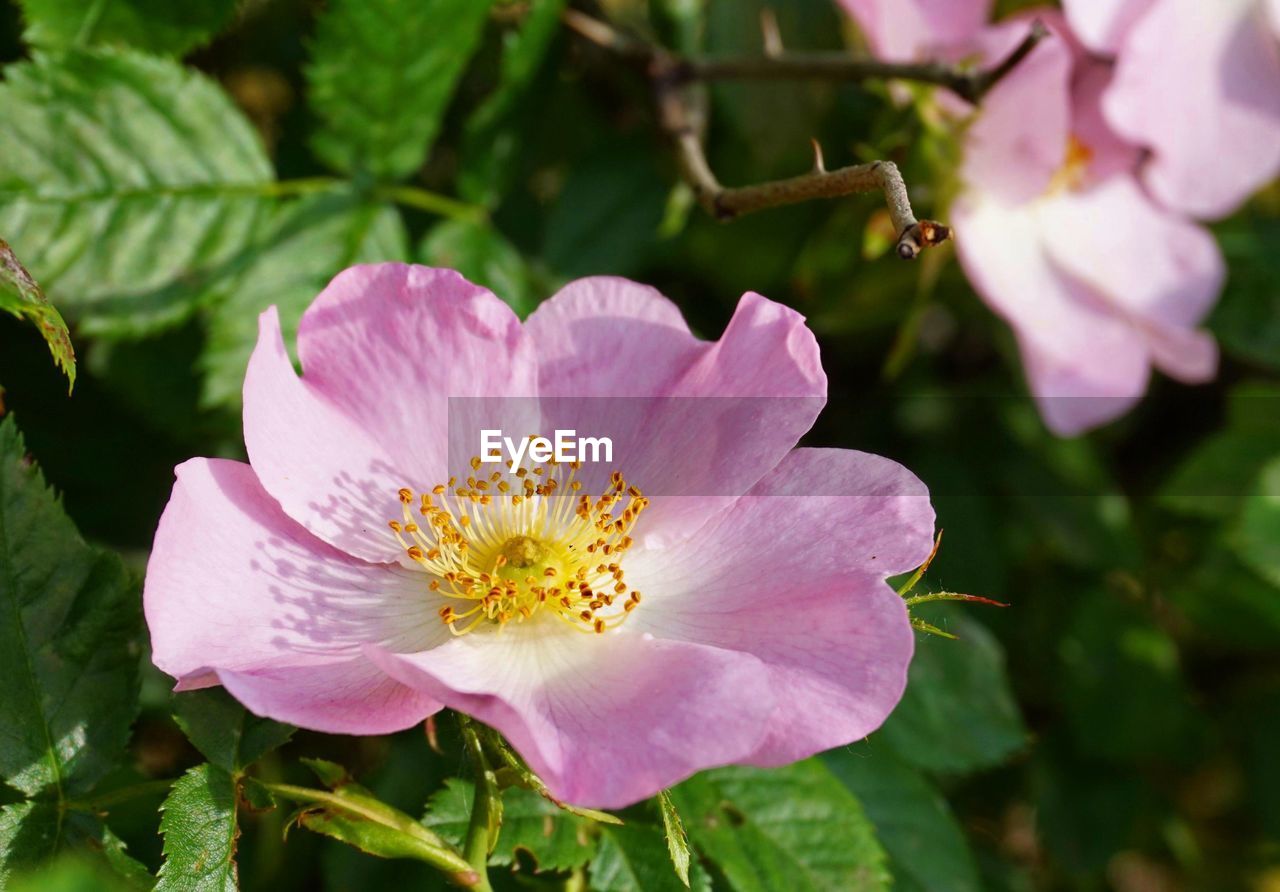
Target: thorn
(771,34)
(819,165)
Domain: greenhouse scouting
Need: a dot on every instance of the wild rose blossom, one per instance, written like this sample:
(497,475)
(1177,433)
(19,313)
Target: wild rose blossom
(1055,229)
(620,640)
(1197,84)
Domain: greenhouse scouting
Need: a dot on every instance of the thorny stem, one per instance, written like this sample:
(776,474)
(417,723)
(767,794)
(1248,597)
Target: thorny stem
(682,115)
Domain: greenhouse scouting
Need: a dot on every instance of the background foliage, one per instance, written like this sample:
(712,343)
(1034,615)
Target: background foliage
(167,170)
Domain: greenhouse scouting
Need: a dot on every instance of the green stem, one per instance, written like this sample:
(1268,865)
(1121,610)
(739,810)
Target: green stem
(431,202)
(486,809)
(300,186)
(124,794)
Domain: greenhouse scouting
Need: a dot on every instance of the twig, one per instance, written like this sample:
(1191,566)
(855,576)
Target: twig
(970,84)
(681,102)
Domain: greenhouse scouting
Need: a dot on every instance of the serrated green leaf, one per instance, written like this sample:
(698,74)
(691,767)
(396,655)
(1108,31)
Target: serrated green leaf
(926,847)
(200,830)
(127,182)
(381,76)
(634,858)
(226,733)
(791,829)
(677,839)
(68,651)
(958,713)
(21,296)
(32,832)
(553,837)
(484,256)
(491,138)
(309,242)
(1257,535)
(161,26)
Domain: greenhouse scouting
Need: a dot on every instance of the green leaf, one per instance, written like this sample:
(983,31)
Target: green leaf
(33,832)
(926,847)
(200,831)
(68,652)
(1257,535)
(634,858)
(791,829)
(484,256)
(554,838)
(491,139)
(70,873)
(161,26)
(21,296)
(226,733)
(958,714)
(677,839)
(381,76)
(353,815)
(128,182)
(309,242)
(608,213)
(1113,655)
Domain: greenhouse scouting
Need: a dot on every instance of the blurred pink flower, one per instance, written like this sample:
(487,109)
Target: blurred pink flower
(1055,232)
(333,582)
(1197,82)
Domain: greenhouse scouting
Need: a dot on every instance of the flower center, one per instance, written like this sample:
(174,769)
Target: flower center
(1075,166)
(524,543)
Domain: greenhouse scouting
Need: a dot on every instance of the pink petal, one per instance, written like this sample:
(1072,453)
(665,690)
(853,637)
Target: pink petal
(1102,24)
(606,720)
(794,574)
(1161,271)
(383,349)
(236,588)
(1019,138)
(695,424)
(1199,84)
(1108,153)
(901,30)
(1085,363)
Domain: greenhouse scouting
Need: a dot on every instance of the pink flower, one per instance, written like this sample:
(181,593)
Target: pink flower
(1198,84)
(1056,233)
(731,609)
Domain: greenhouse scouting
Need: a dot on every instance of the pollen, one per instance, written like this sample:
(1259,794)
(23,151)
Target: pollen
(524,546)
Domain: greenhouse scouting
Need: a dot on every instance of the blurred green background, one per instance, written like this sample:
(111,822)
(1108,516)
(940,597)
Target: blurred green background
(1117,727)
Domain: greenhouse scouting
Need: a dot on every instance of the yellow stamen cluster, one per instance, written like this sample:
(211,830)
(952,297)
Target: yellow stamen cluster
(523,543)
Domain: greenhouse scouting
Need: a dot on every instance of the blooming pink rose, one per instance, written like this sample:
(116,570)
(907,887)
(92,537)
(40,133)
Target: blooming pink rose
(1198,83)
(1052,227)
(704,607)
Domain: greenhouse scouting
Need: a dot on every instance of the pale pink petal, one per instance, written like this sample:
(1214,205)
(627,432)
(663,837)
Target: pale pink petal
(1108,153)
(236,588)
(1069,394)
(606,720)
(383,349)
(694,424)
(1162,272)
(1102,24)
(794,574)
(1018,140)
(901,30)
(1086,364)
(1199,84)
(325,470)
